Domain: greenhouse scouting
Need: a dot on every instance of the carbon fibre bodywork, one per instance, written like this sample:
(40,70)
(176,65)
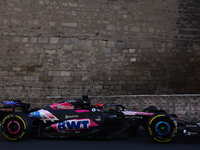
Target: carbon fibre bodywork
(75,118)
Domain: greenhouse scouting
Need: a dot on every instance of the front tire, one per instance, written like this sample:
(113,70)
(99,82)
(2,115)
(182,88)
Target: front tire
(16,126)
(162,127)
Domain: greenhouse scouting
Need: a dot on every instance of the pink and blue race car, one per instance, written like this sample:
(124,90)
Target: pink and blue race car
(77,118)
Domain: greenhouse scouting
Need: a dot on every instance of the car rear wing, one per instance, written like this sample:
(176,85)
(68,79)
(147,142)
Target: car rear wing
(13,106)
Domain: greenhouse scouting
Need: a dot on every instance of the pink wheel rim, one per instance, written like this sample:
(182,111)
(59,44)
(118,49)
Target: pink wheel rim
(18,127)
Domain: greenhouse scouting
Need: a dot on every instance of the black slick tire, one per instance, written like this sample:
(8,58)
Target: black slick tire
(162,127)
(16,126)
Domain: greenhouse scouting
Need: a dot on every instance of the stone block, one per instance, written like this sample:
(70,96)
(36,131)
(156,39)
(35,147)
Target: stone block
(128,87)
(39,68)
(54,40)
(110,27)
(28,78)
(134,45)
(170,45)
(37,78)
(73,4)
(68,47)
(11,73)
(131,68)
(133,59)
(102,43)
(135,29)
(98,87)
(132,50)
(118,87)
(65,73)
(45,79)
(65,4)
(70,24)
(31,68)
(129,73)
(36,73)
(144,29)
(121,44)
(88,43)
(146,44)
(110,43)
(101,73)
(106,50)
(7,79)
(52,23)
(116,50)
(7,68)
(16,39)
(64,40)
(68,79)
(21,73)
(50,51)
(145,78)
(151,30)
(30,50)
(54,73)
(79,73)
(23,68)
(25,39)
(43,39)
(74,40)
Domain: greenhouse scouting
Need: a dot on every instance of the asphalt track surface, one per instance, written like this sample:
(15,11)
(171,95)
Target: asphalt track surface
(137,142)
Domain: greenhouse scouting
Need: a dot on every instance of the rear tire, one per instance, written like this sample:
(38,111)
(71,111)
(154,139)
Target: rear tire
(16,126)
(162,127)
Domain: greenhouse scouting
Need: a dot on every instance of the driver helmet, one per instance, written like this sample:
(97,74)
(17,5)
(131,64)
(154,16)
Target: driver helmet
(98,105)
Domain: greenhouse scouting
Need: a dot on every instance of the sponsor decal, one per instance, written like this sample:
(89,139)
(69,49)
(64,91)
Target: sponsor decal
(134,117)
(144,113)
(71,101)
(113,116)
(6,109)
(191,126)
(98,118)
(71,116)
(96,109)
(43,115)
(129,113)
(10,102)
(74,125)
(137,113)
(69,132)
(65,107)
(62,106)
(191,133)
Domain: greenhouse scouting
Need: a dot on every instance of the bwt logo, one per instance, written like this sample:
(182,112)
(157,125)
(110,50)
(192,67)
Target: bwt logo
(74,124)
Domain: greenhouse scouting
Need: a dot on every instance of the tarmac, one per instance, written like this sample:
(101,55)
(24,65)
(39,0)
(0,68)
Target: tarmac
(138,142)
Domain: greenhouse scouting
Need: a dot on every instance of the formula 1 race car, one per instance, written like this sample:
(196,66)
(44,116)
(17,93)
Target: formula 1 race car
(76,118)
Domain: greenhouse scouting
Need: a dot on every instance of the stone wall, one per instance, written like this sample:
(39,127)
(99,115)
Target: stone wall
(58,48)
